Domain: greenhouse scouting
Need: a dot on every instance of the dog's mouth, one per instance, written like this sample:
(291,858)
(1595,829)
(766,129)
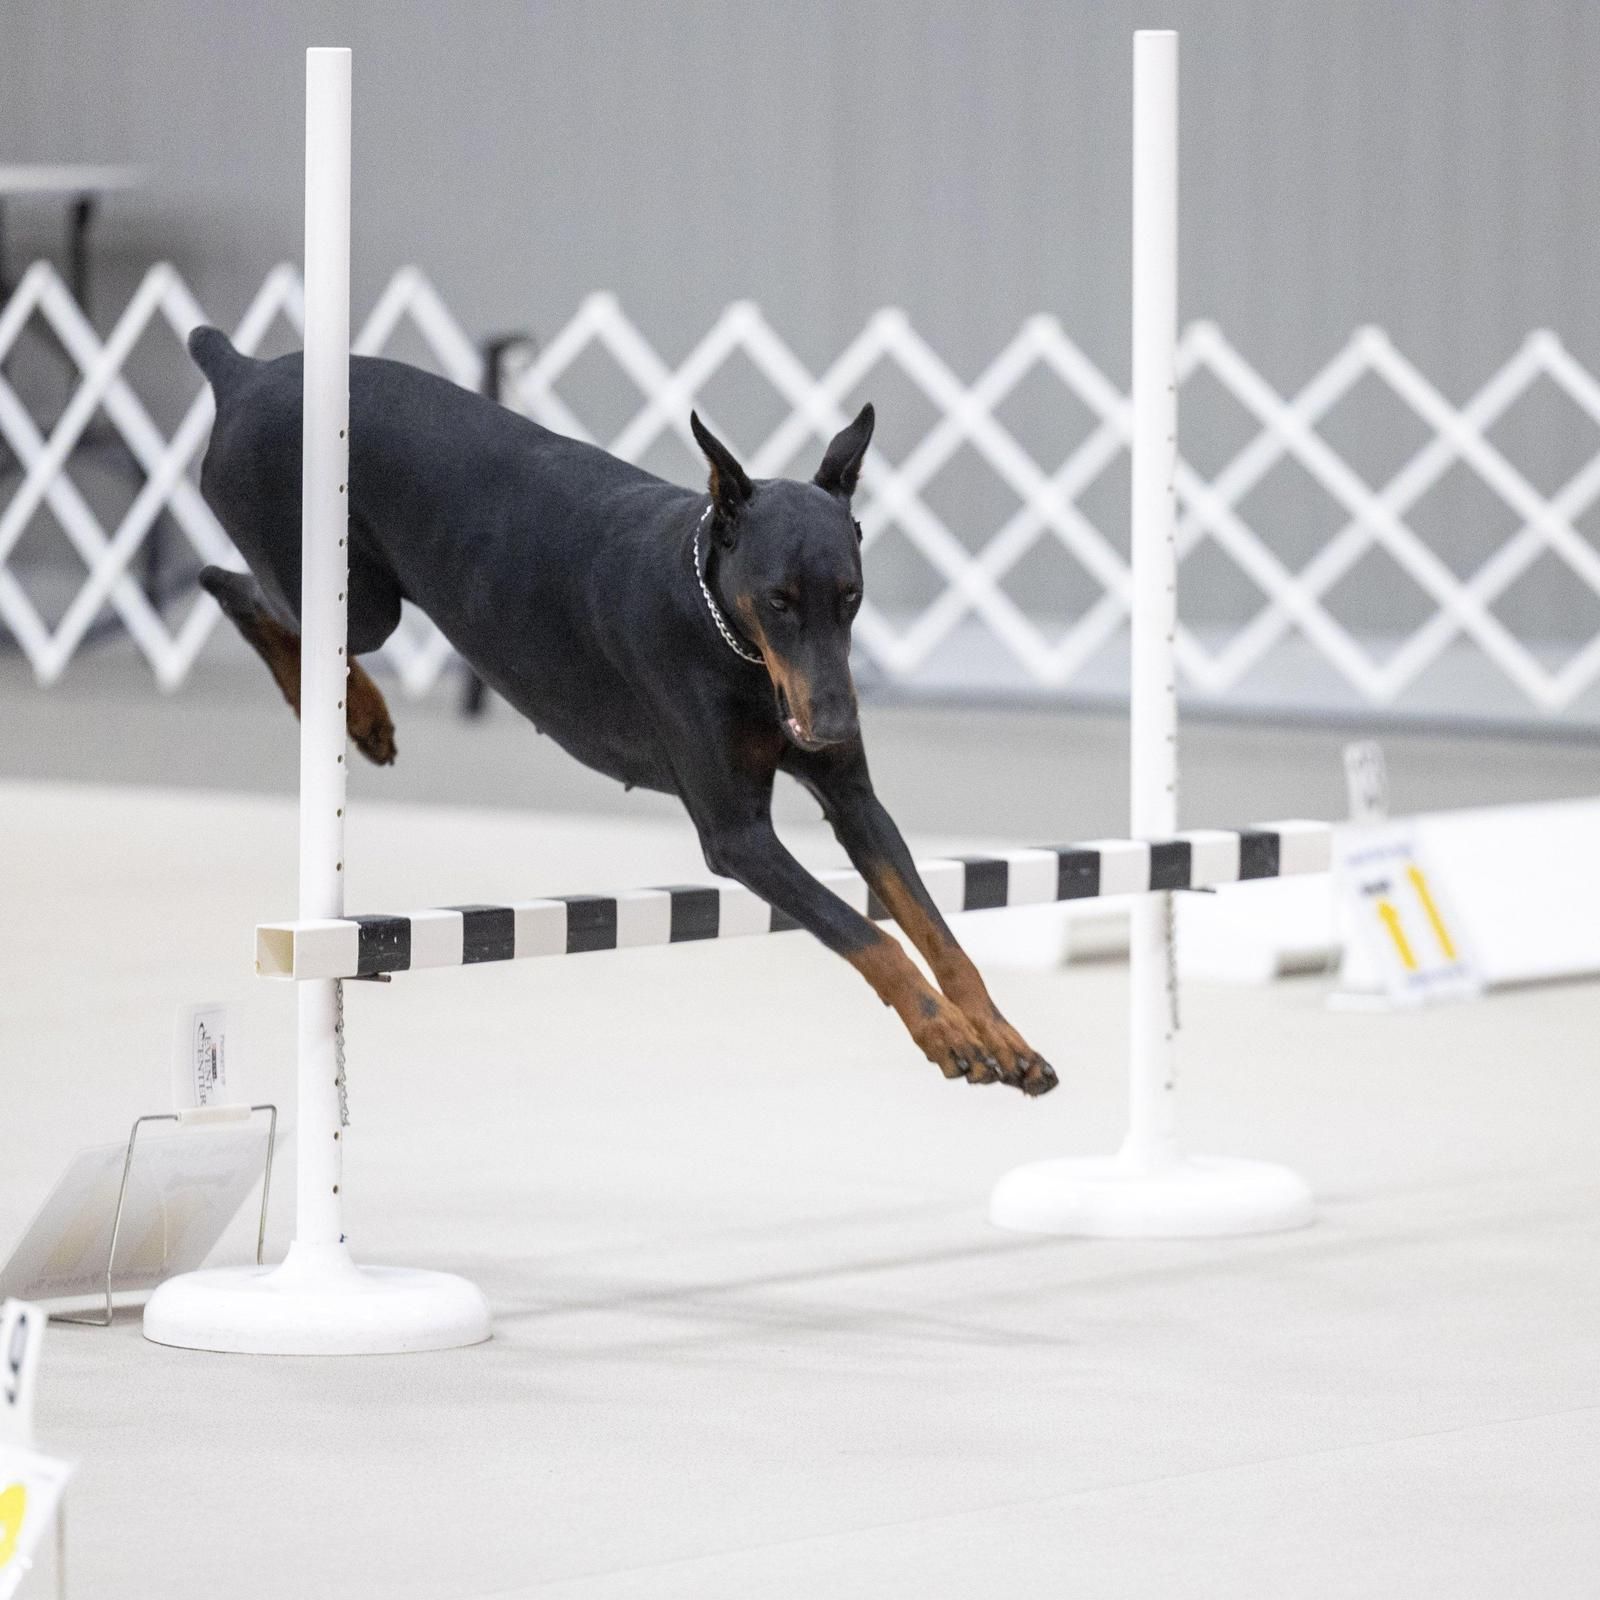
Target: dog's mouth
(791,726)
(793,730)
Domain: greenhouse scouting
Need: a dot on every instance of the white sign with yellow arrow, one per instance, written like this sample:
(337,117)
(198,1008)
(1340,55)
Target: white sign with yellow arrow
(30,1483)
(1399,914)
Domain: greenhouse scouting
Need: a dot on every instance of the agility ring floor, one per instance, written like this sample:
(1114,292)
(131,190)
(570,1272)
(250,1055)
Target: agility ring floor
(753,1335)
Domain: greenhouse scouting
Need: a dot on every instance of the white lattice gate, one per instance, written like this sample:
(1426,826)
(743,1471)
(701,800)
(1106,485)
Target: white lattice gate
(973,626)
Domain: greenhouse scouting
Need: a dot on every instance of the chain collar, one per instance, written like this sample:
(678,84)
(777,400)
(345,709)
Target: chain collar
(729,637)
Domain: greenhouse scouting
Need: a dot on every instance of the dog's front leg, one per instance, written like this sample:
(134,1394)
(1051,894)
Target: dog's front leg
(841,784)
(751,852)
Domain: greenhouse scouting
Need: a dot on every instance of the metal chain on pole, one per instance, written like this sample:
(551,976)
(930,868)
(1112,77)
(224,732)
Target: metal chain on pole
(1171,912)
(338,1053)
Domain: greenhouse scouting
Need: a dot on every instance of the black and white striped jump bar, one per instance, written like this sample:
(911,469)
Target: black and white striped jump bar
(454,936)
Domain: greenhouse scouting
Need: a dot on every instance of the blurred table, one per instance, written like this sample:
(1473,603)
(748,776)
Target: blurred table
(80,189)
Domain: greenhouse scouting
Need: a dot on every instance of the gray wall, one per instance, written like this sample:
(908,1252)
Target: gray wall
(1427,165)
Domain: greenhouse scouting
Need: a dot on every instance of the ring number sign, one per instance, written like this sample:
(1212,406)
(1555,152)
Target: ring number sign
(30,1484)
(1398,910)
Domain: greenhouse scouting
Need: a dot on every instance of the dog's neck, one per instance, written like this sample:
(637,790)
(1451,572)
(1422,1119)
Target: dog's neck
(702,555)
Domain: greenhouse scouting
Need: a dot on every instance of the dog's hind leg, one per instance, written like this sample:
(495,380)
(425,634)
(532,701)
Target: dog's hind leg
(374,614)
(245,606)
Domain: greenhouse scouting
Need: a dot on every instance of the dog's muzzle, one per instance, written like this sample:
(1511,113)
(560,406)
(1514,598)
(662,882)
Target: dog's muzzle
(811,739)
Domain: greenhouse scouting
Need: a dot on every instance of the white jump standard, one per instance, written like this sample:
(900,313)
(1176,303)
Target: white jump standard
(1150,1189)
(319,1302)
(453,936)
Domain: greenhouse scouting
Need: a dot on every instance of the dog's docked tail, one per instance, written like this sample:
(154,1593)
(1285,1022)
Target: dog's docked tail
(211,350)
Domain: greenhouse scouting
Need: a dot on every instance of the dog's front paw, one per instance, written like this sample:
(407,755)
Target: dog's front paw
(1040,1077)
(1020,1065)
(948,1039)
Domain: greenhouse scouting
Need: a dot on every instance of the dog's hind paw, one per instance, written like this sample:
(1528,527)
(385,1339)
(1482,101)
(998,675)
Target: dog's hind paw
(377,744)
(367,718)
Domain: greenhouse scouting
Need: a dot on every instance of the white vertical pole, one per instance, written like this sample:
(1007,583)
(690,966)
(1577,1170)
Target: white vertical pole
(320,1302)
(324,571)
(1150,1190)
(1153,711)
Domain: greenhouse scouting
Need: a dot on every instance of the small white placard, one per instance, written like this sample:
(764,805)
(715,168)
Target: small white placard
(21,1336)
(1399,912)
(30,1492)
(200,1057)
(1367,777)
(183,1190)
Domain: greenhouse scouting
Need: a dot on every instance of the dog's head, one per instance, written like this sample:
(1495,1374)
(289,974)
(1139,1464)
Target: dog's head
(788,564)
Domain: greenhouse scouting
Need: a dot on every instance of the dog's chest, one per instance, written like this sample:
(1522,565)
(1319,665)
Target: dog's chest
(619,745)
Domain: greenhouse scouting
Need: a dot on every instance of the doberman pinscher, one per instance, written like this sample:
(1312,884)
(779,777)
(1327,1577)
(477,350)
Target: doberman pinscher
(691,643)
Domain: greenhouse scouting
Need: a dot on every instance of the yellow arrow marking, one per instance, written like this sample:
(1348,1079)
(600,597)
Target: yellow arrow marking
(1391,920)
(13,1508)
(1440,932)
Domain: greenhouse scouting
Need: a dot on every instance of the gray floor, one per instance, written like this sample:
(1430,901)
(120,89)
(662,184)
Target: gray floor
(1013,773)
(753,1334)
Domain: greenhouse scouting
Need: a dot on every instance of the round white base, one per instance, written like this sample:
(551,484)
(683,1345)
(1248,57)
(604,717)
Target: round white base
(318,1303)
(1195,1197)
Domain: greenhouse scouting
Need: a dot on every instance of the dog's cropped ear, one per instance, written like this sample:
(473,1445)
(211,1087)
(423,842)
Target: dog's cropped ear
(730,488)
(841,466)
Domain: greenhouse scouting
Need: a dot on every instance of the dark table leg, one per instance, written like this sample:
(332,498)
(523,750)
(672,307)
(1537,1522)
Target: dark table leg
(152,553)
(81,218)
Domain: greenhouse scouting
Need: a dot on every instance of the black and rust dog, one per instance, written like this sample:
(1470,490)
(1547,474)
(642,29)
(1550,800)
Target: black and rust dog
(687,643)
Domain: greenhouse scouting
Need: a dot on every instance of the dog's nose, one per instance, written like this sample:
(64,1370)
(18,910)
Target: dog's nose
(835,716)
(834,728)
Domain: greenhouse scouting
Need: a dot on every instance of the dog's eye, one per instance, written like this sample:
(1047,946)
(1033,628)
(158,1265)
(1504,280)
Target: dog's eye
(851,598)
(778,602)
